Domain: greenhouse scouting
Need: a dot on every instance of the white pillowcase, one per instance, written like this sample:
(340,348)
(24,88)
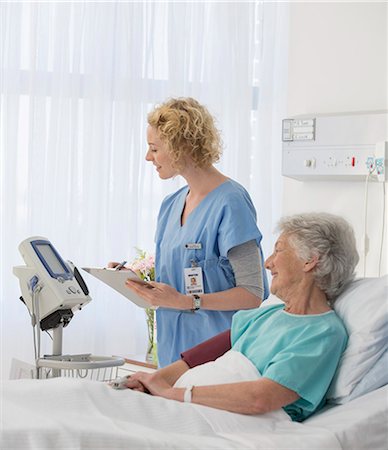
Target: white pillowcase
(374,379)
(363,307)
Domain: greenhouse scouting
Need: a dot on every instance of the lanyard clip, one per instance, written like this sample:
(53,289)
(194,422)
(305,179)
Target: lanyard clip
(194,263)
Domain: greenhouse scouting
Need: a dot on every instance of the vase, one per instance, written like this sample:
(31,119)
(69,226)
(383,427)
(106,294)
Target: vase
(151,354)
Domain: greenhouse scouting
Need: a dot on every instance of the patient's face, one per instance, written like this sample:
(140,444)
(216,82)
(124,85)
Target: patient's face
(286,268)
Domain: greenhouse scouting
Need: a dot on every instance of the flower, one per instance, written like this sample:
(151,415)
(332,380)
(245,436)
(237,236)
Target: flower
(144,266)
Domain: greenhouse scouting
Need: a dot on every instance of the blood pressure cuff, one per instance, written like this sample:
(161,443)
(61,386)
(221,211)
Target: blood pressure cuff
(208,350)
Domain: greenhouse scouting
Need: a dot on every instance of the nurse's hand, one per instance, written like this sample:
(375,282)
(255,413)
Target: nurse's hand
(160,294)
(114,264)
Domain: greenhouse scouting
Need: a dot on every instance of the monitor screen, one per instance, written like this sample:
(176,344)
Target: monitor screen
(51,260)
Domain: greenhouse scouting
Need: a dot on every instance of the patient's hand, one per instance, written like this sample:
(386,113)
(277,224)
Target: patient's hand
(135,384)
(152,383)
(159,382)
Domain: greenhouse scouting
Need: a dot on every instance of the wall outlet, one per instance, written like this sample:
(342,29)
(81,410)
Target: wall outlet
(370,163)
(381,157)
(339,147)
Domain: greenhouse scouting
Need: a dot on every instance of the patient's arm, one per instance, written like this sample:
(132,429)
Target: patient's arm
(168,375)
(247,397)
(200,354)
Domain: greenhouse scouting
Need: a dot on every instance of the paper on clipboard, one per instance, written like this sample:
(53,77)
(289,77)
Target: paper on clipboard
(116,280)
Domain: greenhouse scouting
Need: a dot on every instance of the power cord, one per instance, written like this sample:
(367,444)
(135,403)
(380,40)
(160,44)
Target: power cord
(365,243)
(35,321)
(382,231)
(372,169)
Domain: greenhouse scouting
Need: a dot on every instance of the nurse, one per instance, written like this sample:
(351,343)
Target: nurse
(208,261)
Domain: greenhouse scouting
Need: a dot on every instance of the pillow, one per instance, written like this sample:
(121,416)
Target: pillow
(271,300)
(363,307)
(374,379)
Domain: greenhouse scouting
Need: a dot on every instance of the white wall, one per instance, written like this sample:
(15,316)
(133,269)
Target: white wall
(338,63)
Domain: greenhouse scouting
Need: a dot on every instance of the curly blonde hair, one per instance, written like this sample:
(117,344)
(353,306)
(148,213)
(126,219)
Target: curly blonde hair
(189,131)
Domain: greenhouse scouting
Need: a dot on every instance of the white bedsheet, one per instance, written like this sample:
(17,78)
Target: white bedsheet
(361,424)
(70,413)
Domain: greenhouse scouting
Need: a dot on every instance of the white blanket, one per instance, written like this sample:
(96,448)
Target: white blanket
(67,413)
(231,367)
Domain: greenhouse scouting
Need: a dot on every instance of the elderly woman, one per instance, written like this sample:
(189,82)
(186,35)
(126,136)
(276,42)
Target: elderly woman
(285,355)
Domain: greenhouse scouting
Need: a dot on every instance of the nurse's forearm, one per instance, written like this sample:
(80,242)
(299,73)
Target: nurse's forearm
(162,294)
(235,298)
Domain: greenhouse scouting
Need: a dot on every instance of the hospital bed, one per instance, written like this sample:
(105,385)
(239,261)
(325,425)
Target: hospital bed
(69,413)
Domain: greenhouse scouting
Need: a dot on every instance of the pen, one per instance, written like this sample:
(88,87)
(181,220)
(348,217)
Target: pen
(121,265)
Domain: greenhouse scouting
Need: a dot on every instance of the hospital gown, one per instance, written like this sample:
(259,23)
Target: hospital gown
(300,352)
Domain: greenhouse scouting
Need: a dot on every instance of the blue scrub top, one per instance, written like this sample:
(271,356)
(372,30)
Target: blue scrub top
(224,219)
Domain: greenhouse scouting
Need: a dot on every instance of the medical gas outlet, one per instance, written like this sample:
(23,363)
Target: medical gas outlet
(336,147)
(310,163)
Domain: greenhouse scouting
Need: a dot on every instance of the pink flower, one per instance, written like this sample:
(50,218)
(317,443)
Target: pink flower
(144,266)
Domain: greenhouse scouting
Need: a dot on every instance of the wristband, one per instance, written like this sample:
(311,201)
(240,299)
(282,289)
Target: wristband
(188,394)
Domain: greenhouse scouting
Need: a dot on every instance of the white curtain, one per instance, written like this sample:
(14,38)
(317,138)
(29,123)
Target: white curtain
(77,81)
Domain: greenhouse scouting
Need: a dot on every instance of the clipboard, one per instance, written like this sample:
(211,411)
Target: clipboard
(116,280)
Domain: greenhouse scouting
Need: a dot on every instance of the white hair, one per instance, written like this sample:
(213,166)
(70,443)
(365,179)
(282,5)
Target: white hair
(331,239)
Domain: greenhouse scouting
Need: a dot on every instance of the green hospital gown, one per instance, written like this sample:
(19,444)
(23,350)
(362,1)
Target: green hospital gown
(300,352)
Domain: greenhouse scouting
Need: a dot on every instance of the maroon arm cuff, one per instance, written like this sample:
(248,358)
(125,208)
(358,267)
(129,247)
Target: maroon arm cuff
(207,351)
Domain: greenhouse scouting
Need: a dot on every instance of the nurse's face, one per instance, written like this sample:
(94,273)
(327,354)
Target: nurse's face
(158,154)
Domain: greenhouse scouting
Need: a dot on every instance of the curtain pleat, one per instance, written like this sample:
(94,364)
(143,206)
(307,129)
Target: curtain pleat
(77,82)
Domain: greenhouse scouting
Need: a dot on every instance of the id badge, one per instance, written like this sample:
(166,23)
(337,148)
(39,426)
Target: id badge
(193,280)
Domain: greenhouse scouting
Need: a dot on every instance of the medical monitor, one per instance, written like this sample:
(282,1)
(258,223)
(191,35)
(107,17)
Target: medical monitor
(51,260)
(51,287)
